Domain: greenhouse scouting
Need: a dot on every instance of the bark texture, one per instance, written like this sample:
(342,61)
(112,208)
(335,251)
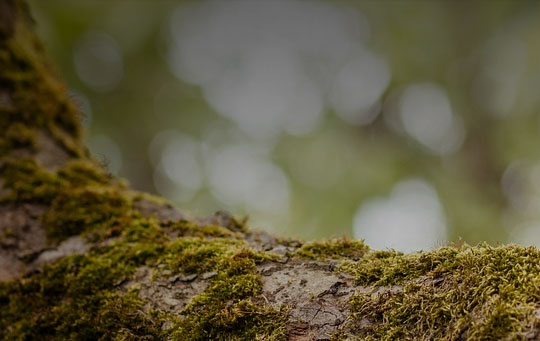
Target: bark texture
(82,256)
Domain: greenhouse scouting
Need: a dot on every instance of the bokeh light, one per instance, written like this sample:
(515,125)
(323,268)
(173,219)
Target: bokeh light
(410,219)
(426,115)
(98,61)
(274,66)
(409,124)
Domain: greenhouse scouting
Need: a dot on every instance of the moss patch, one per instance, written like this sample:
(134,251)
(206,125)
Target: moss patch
(103,212)
(334,249)
(81,196)
(227,309)
(18,135)
(81,297)
(477,293)
(74,299)
(28,181)
(32,96)
(190,228)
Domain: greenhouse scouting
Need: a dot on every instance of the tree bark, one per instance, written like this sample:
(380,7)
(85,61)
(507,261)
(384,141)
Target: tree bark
(82,256)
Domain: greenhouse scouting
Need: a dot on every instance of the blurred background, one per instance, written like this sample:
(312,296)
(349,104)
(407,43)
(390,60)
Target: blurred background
(410,124)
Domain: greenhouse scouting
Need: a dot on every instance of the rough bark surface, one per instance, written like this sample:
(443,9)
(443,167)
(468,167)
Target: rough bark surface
(84,257)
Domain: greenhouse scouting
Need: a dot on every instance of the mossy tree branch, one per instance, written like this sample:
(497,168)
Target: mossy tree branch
(82,256)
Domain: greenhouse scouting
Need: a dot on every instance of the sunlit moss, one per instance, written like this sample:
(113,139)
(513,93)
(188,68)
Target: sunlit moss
(474,293)
(226,310)
(189,228)
(337,248)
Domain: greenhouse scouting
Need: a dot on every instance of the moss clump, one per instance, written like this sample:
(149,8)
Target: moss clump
(28,182)
(34,99)
(190,228)
(334,249)
(147,230)
(75,299)
(195,255)
(391,267)
(100,211)
(81,196)
(80,172)
(476,293)
(18,135)
(81,297)
(227,309)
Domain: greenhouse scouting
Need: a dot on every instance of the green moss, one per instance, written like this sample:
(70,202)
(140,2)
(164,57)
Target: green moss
(227,309)
(335,249)
(18,135)
(477,293)
(151,198)
(144,230)
(79,297)
(190,228)
(102,212)
(36,99)
(75,299)
(28,182)
(81,196)
(79,172)
(196,255)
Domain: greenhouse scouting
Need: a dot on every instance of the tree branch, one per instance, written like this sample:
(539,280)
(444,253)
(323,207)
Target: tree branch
(82,256)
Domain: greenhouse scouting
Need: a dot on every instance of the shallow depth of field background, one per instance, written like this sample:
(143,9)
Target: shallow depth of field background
(407,124)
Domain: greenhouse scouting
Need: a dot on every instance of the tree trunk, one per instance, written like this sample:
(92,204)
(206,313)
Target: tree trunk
(82,256)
